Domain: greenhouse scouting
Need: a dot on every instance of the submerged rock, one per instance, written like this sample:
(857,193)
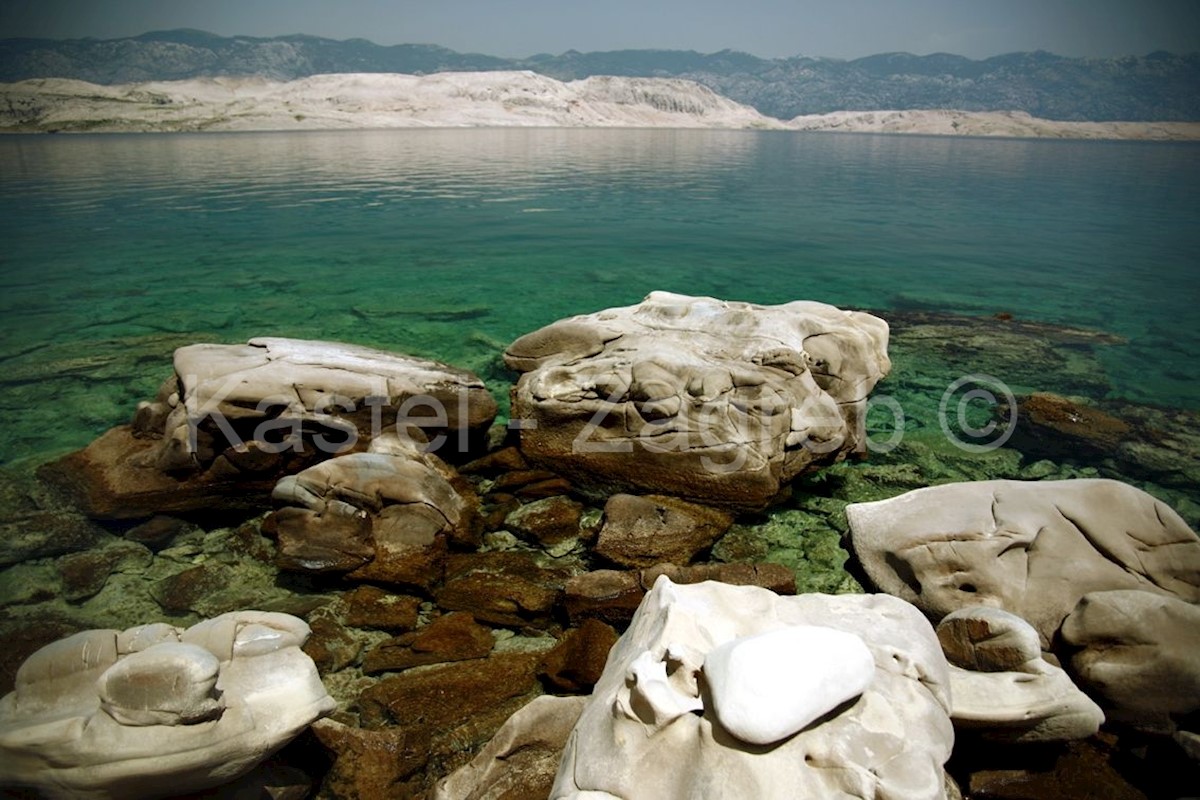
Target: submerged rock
(644,531)
(234,418)
(156,710)
(649,713)
(711,401)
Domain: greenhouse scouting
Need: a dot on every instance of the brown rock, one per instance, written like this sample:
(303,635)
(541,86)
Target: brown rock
(372,607)
(373,764)
(644,531)
(547,488)
(575,664)
(184,590)
(310,542)
(330,646)
(23,637)
(510,481)
(157,532)
(549,521)
(84,574)
(112,478)
(613,595)
(507,589)
(607,595)
(1050,426)
(506,459)
(456,707)
(453,637)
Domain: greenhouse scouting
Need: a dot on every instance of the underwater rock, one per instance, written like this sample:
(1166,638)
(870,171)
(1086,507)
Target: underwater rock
(1031,548)
(385,517)
(717,402)
(644,531)
(235,418)
(1137,651)
(452,637)
(1054,427)
(156,710)
(549,521)
(577,661)
(650,730)
(508,589)
(1001,686)
(46,533)
(522,758)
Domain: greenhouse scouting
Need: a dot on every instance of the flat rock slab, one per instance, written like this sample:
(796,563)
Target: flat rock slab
(698,398)
(1031,548)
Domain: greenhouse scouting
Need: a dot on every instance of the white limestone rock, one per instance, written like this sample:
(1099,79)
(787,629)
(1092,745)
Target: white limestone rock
(1030,548)
(1001,685)
(719,402)
(156,710)
(769,686)
(654,732)
(1137,651)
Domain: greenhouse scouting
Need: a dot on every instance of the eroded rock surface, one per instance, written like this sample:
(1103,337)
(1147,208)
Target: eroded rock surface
(157,710)
(386,516)
(1031,548)
(234,418)
(714,401)
(649,713)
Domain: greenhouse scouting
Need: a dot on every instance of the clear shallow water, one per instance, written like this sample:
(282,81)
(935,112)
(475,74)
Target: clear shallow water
(450,243)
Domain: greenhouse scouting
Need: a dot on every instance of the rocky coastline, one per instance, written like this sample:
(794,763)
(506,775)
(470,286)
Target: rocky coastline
(683,505)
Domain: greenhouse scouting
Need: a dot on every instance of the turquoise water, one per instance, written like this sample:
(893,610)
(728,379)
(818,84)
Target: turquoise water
(450,243)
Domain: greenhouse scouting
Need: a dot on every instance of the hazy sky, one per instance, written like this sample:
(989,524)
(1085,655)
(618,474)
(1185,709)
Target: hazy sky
(838,28)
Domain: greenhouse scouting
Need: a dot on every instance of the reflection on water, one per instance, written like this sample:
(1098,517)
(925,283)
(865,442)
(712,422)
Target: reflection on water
(452,242)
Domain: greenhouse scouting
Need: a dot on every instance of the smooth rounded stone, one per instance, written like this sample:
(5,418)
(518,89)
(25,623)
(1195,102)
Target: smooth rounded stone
(1001,686)
(650,731)
(772,685)
(707,400)
(1138,652)
(374,516)
(157,710)
(650,530)
(1030,548)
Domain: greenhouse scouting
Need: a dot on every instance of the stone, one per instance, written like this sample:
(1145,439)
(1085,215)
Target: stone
(157,532)
(644,721)
(1031,548)
(547,522)
(1001,686)
(771,685)
(1138,651)
(522,758)
(453,637)
(716,402)
(373,607)
(650,530)
(331,647)
(372,764)
(613,595)
(41,534)
(577,661)
(157,710)
(1055,427)
(507,589)
(382,517)
(236,418)
(85,574)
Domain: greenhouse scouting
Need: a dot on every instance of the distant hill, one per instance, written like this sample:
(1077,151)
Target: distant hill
(1158,86)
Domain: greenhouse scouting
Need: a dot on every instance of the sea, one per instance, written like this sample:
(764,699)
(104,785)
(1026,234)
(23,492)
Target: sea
(450,243)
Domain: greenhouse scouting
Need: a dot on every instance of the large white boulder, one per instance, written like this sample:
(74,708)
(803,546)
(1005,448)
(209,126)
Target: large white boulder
(156,710)
(694,397)
(680,688)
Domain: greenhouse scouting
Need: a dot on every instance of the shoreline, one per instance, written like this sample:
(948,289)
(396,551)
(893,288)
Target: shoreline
(385,101)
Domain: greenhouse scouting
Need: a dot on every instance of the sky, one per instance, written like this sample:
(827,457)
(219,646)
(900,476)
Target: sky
(767,28)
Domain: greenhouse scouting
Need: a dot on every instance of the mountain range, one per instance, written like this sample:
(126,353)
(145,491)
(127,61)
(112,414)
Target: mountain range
(1159,86)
